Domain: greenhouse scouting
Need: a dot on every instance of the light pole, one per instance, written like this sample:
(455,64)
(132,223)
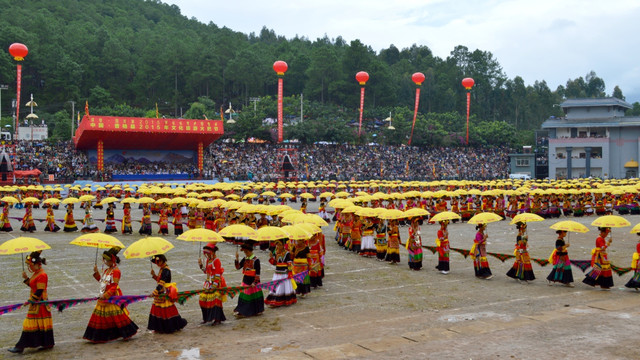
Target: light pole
(389,119)
(230,111)
(73,110)
(2,87)
(31,114)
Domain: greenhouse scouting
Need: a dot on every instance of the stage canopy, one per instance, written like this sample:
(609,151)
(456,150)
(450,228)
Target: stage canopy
(117,132)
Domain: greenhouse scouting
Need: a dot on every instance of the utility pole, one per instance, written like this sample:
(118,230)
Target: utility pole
(301,107)
(2,87)
(73,110)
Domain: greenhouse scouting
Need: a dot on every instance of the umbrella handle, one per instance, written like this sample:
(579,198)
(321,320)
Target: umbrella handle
(96,262)
(22,255)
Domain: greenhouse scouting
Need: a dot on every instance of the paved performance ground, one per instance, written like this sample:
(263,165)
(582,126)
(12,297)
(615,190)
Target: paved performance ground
(366,310)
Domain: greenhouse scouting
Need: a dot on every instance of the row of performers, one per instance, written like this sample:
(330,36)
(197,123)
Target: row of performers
(109,321)
(213,219)
(372,238)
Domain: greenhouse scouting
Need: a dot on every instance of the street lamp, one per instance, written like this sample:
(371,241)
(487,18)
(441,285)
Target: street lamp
(31,115)
(230,111)
(390,127)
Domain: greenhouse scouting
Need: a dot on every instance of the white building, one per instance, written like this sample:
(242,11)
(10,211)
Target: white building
(594,139)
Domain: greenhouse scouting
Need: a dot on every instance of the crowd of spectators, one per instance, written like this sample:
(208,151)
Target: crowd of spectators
(263,162)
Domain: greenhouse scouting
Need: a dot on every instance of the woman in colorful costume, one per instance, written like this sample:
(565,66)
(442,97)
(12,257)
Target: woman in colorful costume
(521,269)
(479,254)
(210,299)
(27,220)
(163,220)
(109,321)
(145,222)
(634,282)
(381,240)
(393,244)
(37,328)
(69,221)
(127,228)
(442,247)
(414,245)
(284,293)
(600,273)
(88,225)
(110,220)
(51,221)
(164,317)
(250,300)
(561,271)
(5,223)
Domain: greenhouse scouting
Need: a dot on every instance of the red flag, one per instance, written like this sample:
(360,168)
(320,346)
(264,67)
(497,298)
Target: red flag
(86,108)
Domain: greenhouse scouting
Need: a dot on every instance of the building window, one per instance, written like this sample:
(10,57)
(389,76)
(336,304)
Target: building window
(522,162)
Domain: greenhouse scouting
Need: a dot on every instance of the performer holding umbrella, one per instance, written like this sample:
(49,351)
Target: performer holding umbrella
(600,273)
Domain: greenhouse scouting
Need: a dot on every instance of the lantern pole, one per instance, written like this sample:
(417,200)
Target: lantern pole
(418,79)
(280,67)
(468,84)
(362,77)
(18,51)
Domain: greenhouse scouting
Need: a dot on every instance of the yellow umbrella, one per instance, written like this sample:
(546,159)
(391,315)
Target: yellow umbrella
(286,196)
(485,218)
(366,212)
(296,233)
(391,214)
(22,245)
(52,201)
(269,233)
(306,195)
(611,221)
(268,193)
(146,200)
(201,235)
(109,199)
(233,196)
(97,240)
(416,212)
(445,215)
(237,230)
(249,196)
(341,194)
(351,209)
(128,200)
(312,219)
(310,228)
(10,199)
(87,198)
(163,201)
(291,217)
(525,218)
(569,225)
(635,229)
(70,200)
(326,194)
(147,247)
(30,199)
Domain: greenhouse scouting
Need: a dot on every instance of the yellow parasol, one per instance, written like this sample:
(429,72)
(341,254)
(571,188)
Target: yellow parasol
(611,221)
(366,212)
(569,225)
(129,200)
(268,193)
(52,201)
(485,218)
(97,240)
(525,218)
(70,200)
(391,214)
(307,195)
(146,200)
(87,198)
(22,245)
(311,219)
(31,199)
(635,229)
(269,233)
(10,199)
(416,212)
(201,235)
(237,230)
(147,247)
(445,215)
(296,233)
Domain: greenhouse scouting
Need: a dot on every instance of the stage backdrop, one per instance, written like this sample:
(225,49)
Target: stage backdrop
(144,156)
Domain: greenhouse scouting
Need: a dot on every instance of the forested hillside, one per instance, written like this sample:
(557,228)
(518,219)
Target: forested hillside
(125,56)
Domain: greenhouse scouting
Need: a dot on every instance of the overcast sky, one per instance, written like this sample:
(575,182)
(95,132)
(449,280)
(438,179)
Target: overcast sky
(551,40)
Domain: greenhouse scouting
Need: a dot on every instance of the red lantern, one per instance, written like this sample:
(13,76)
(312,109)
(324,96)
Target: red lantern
(418,78)
(280,67)
(362,77)
(468,83)
(18,51)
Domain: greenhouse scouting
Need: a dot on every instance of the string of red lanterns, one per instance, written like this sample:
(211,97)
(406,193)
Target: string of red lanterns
(362,77)
(19,52)
(280,67)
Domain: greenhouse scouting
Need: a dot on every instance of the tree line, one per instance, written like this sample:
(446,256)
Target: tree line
(126,56)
